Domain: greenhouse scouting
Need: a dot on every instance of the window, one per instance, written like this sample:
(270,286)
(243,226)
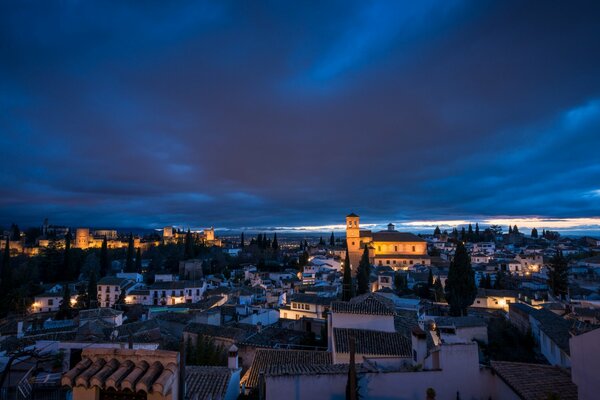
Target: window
(378,248)
(352,243)
(414,249)
(395,248)
(387,262)
(50,302)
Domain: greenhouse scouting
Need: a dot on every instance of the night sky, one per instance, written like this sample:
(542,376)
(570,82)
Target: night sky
(295,113)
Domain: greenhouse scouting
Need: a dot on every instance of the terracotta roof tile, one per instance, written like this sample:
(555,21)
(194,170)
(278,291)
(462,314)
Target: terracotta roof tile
(374,343)
(536,381)
(120,369)
(370,304)
(206,382)
(266,358)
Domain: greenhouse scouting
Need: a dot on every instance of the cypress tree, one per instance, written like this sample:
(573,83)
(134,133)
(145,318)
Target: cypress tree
(470,234)
(438,290)
(477,234)
(242,240)
(437,231)
(347,286)
(104,263)
(363,273)
(129,265)
(6,272)
(460,286)
(92,291)
(138,261)
(534,233)
(515,229)
(332,240)
(558,275)
(430,278)
(275,244)
(64,310)
(510,231)
(463,234)
(189,245)
(321,241)
(67,273)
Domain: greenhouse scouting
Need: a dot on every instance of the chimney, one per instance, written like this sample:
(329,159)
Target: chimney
(391,227)
(232,358)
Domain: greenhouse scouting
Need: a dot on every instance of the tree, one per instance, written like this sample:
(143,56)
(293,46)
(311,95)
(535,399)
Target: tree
(463,234)
(470,233)
(352,389)
(129,266)
(138,261)
(516,230)
(501,281)
(64,310)
(436,231)
(92,291)
(558,275)
(275,244)
(189,246)
(400,282)
(430,278)
(5,272)
(510,230)
(104,262)
(347,286)
(438,290)
(534,233)
(332,240)
(460,286)
(477,234)
(485,282)
(15,232)
(363,273)
(67,273)
(321,241)
(242,240)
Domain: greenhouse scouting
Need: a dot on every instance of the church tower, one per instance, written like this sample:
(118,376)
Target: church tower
(353,240)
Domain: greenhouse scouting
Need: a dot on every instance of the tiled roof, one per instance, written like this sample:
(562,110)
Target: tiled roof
(370,304)
(227,332)
(394,236)
(372,342)
(460,322)
(536,381)
(123,369)
(175,285)
(305,369)
(113,281)
(555,327)
(266,358)
(206,383)
(99,313)
(405,322)
(310,299)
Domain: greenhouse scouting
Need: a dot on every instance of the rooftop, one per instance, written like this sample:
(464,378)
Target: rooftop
(375,343)
(205,382)
(267,358)
(536,381)
(124,369)
(369,304)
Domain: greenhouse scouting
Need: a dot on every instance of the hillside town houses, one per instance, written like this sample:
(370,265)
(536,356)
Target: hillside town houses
(177,314)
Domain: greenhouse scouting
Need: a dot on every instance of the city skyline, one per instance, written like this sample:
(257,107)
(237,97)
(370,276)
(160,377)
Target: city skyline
(280,115)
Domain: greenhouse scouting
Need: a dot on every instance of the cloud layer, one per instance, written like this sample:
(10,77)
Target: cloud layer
(289,114)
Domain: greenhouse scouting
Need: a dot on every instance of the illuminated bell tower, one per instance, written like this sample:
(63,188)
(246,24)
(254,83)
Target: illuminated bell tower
(353,240)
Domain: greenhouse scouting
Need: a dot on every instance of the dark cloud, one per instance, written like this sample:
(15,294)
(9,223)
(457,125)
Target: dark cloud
(280,113)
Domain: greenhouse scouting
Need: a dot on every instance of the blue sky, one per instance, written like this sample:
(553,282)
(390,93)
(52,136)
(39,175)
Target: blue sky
(252,114)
